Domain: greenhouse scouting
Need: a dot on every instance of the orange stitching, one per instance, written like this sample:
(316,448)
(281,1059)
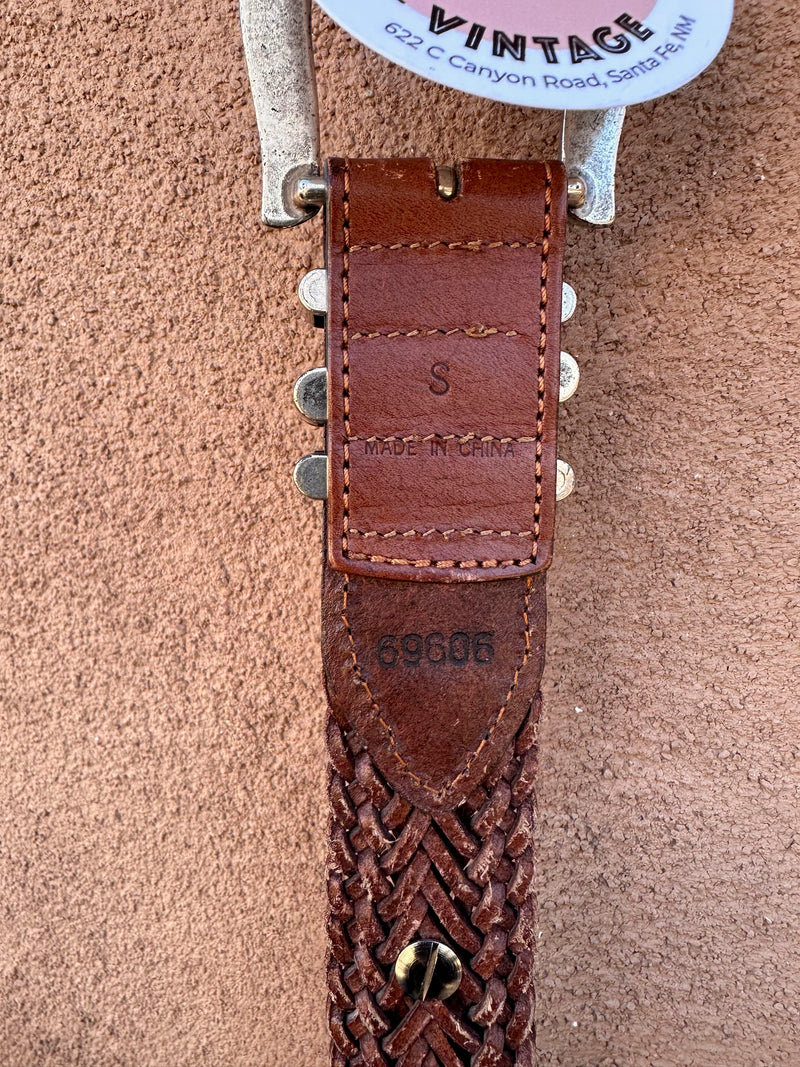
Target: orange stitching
(471,331)
(361,680)
(443,533)
(441,564)
(346,356)
(468,245)
(445,437)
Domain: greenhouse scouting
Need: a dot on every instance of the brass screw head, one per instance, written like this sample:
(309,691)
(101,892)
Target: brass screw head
(428,970)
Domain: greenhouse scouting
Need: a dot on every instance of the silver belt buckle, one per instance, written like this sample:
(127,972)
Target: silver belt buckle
(279,52)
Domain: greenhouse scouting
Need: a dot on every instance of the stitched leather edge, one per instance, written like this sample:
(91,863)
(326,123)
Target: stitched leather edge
(392,561)
(486,739)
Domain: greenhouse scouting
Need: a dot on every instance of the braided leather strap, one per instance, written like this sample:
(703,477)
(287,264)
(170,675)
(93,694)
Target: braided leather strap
(443,373)
(398,873)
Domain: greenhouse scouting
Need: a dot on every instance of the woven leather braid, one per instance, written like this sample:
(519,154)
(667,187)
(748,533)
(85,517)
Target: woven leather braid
(398,874)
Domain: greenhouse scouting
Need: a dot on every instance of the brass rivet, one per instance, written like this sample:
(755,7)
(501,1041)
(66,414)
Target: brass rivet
(428,970)
(576,192)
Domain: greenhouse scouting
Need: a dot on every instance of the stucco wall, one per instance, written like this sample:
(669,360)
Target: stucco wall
(161,764)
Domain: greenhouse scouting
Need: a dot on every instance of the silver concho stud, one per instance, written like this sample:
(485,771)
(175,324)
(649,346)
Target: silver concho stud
(569,301)
(311,475)
(310,395)
(565,479)
(570,376)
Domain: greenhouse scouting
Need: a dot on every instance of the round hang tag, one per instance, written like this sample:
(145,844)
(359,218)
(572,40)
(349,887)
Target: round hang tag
(580,55)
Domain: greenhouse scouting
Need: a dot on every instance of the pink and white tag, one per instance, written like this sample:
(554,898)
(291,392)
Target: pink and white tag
(581,55)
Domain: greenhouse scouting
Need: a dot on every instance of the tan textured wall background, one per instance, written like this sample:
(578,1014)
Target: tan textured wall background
(161,761)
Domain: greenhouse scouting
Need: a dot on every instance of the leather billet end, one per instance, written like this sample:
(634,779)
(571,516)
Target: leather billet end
(436,679)
(443,351)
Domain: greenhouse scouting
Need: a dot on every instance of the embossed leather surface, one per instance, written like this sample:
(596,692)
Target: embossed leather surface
(436,677)
(443,357)
(432,680)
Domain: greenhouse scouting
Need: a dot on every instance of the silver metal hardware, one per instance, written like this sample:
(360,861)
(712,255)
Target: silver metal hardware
(310,190)
(277,47)
(589,144)
(311,475)
(446,182)
(569,301)
(570,376)
(576,193)
(565,479)
(428,970)
(310,395)
(313,291)
(278,50)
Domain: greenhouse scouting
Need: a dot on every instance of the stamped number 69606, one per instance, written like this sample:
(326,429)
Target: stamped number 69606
(413,650)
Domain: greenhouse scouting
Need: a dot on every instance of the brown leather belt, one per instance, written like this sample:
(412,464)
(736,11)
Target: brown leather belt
(443,378)
(442,298)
